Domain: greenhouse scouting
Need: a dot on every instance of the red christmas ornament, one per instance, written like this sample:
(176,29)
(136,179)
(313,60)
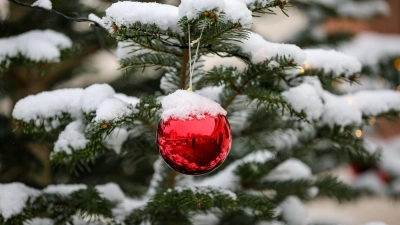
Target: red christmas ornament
(194,146)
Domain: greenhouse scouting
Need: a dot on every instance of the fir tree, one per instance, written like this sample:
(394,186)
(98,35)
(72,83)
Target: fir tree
(284,120)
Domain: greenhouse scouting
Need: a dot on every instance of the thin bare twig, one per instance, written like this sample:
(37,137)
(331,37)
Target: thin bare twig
(58,13)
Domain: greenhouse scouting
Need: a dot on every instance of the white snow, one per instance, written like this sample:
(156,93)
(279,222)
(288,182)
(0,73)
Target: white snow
(370,47)
(236,12)
(96,19)
(72,138)
(110,109)
(98,98)
(160,169)
(293,211)
(159,166)
(127,13)
(116,138)
(287,139)
(340,111)
(184,105)
(43,3)
(13,198)
(313,192)
(305,98)
(126,206)
(390,156)
(94,95)
(344,110)
(39,221)
(111,191)
(63,189)
(212,192)
(331,61)
(48,104)
(370,181)
(371,146)
(205,219)
(291,169)
(373,103)
(128,99)
(261,50)
(192,8)
(125,49)
(226,179)
(35,45)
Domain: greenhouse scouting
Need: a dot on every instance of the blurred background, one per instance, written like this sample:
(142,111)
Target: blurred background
(369,30)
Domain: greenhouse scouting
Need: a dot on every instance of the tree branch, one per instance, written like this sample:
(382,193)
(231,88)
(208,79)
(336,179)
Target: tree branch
(58,13)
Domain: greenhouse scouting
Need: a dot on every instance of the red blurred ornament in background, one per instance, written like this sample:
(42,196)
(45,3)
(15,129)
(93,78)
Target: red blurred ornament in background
(194,146)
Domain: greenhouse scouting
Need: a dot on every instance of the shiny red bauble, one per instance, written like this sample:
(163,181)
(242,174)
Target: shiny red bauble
(194,146)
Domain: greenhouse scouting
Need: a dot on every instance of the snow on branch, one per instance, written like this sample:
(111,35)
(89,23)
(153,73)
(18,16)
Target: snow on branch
(49,104)
(332,63)
(35,45)
(233,11)
(63,189)
(13,198)
(72,138)
(99,103)
(43,3)
(192,8)
(226,178)
(305,98)
(370,47)
(126,14)
(291,169)
(96,19)
(346,110)
(339,110)
(94,95)
(293,210)
(283,139)
(98,99)
(39,221)
(260,50)
(376,102)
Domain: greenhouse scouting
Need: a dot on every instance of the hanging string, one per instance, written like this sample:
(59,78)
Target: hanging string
(190,62)
(191,67)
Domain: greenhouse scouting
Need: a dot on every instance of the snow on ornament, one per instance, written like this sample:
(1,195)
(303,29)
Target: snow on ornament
(193,136)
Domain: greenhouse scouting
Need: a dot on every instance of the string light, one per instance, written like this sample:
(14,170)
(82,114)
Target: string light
(398,88)
(358,133)
(397,64)
(372,120)
(302,70)
(349,100)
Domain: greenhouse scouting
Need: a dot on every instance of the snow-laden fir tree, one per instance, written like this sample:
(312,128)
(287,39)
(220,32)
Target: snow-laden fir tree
(286,126)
